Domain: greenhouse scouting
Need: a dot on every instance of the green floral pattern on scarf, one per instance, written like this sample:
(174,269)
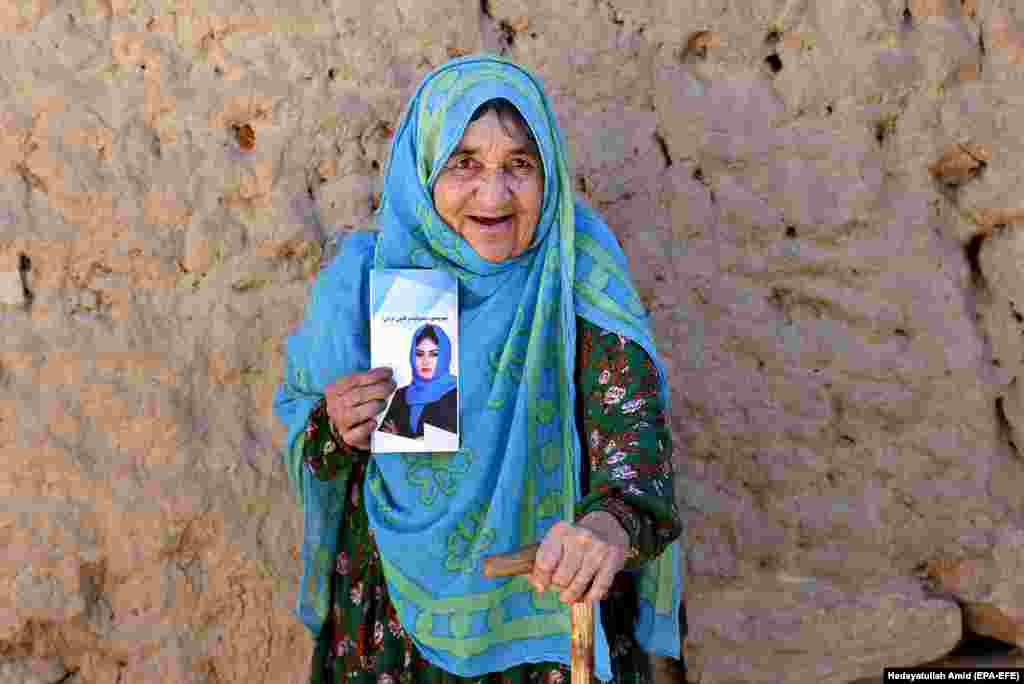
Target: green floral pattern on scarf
(436,473)
(470,540)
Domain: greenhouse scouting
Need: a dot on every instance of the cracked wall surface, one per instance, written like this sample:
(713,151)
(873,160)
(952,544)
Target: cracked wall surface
(821,206)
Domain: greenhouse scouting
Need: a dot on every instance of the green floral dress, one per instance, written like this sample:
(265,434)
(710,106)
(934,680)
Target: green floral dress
(630,473)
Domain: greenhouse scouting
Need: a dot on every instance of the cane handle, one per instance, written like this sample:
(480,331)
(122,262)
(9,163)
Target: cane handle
(518,562)
(581,646)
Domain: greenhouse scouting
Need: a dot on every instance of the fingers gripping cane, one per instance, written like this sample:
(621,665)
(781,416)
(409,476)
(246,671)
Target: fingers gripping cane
(581,652)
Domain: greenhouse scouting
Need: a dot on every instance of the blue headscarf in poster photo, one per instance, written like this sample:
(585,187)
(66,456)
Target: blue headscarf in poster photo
(422,392)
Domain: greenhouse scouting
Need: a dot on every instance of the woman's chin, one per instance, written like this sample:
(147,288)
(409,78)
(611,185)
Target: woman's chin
(493,245)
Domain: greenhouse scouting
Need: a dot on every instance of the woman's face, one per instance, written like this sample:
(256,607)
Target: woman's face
(491,189)
(426,358)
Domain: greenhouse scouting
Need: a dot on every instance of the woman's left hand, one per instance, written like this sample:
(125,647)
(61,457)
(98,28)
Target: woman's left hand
(573,558)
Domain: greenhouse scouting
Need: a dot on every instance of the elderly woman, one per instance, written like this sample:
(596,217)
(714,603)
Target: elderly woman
(564,438)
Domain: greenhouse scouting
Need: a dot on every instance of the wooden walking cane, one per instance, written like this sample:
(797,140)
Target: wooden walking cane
(581,645)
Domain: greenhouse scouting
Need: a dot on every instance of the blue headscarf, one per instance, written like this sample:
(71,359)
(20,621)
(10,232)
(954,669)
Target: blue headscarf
(435,516)
(422,392)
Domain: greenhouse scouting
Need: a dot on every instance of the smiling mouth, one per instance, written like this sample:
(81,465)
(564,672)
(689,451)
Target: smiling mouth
(492,222)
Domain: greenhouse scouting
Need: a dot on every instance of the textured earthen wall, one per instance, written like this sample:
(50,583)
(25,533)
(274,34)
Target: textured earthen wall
(821,203)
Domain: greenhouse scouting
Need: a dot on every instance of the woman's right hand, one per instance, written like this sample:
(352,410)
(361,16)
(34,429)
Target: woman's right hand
(354,400)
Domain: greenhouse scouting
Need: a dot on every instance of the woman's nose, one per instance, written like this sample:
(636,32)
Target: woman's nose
(494,188)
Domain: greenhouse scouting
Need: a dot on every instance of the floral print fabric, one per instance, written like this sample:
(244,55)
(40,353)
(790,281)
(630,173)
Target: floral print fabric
(630,476)
(627,442)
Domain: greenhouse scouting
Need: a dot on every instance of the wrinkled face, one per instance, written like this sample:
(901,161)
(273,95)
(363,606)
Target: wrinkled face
(491,188)
(426,358)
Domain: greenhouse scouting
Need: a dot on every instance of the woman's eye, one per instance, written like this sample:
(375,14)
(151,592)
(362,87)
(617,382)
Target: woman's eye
(523,166)
(462,163)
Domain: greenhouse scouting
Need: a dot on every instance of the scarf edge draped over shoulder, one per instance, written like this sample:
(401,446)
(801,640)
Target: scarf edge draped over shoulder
(574,267)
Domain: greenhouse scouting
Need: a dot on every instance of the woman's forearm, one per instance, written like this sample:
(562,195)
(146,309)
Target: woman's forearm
(627,442)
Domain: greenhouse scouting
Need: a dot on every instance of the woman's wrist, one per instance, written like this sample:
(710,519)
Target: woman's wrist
(606,526)
(335,434)
(342,444)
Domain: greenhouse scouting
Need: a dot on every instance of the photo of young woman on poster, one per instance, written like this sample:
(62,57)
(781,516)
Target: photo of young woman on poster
(432,396)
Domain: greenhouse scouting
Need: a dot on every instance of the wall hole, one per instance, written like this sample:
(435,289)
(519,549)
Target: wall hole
(971,251)
(779,297)
(663,146)
(24,266)
(880,131)
(69,676)
(973,645)
(507,32)
(791,231)
(774,63)
(1004,423)
(772,38)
